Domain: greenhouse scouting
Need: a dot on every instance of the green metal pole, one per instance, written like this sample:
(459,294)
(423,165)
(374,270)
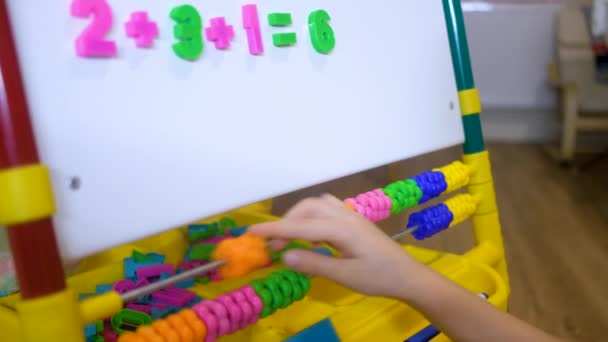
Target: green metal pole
(463,71)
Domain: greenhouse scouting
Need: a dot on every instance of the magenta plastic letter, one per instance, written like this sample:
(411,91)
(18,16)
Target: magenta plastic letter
(251,23)
(91,41)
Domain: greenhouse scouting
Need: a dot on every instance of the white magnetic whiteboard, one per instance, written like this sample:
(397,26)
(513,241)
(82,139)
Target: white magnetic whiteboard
(157,141)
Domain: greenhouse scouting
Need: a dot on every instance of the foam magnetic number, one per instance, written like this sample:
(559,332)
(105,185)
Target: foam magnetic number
(321,33)
(91,42)
(189,31)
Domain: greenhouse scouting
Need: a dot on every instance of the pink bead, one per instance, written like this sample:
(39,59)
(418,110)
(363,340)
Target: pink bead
(255,301)
(359,209)
(387,200)
(220,312)
(209,319)
(246,308)
(235,316)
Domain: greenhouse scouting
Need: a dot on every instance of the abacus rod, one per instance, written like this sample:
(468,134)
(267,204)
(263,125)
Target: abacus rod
(404,233)
(197,271)
(178,278)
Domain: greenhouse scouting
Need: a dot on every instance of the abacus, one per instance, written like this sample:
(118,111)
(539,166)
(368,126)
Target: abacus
(256,299)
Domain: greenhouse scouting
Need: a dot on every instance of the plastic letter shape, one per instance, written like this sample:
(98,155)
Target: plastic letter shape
(142,30)
(321,33)
(91,42)
(189,31)
(251,23)
(220,33)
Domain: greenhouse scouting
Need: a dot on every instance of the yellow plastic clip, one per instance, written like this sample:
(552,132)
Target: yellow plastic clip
(26,194)
(470,102)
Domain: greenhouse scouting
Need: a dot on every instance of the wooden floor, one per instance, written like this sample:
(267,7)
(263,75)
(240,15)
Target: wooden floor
(555,227)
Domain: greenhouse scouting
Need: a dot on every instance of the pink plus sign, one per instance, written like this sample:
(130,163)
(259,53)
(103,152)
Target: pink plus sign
(220,33)
(143,30)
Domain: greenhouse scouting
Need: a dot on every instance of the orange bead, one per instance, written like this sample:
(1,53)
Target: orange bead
(198,327)
(165,330)
(242,255)
(181,328)
(149,334)
(130,337)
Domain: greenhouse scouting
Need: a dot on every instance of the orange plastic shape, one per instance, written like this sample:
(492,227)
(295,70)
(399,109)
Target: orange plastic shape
(242,255)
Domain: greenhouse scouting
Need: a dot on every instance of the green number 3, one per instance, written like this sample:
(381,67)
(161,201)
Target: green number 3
(321,34)
(189,31)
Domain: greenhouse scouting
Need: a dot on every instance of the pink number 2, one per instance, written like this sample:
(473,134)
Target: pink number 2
(91,42)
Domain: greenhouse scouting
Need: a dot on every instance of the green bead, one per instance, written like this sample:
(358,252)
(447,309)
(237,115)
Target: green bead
(202,252)
(277,296)
(284,39)
(295,284)
(265,295)
(285,288)
(304,282)
(279,19)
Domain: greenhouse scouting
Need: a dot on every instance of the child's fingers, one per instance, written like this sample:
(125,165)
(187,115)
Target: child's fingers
(302,229)
(277,244)
(316,264)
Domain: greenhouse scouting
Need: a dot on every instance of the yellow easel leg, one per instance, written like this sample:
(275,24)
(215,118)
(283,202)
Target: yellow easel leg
(51,318)
(486,223)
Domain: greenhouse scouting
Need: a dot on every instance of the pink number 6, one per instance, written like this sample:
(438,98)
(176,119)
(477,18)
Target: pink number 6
(91,43)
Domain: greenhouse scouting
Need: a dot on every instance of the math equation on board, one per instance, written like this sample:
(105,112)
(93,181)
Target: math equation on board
(189,31)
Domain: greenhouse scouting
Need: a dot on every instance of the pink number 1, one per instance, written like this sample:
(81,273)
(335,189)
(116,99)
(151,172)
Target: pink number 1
(251,23)
(91,43)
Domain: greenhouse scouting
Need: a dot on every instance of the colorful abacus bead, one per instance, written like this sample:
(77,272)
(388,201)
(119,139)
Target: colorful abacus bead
(430,221)
(457,175)
(431,183)
(462,207)
(242,255)
(403,194)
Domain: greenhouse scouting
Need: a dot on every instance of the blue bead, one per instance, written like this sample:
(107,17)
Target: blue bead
(430,221)
(432,184)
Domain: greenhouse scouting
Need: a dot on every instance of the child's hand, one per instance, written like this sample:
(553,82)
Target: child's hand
(372,263)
